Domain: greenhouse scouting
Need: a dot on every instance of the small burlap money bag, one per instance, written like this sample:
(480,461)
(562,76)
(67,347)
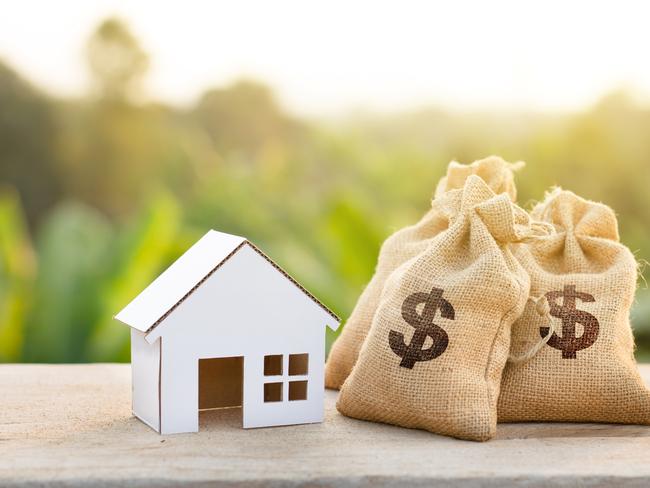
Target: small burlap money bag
(440,337)
(402,246)
(586,372)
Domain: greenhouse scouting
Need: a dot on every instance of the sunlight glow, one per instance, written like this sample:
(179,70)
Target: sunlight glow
(333,56)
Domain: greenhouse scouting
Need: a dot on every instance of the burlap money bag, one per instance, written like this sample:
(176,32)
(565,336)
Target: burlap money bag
(400,247)
(440,337)
(586,372)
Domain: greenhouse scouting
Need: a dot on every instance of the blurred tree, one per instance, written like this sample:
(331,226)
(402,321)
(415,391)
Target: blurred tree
(243,119)
(28,138)
(114,150)
(116,61)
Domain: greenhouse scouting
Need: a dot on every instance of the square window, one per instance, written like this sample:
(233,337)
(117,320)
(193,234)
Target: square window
(272,392)
(297,390)
(273,365)
(298,364)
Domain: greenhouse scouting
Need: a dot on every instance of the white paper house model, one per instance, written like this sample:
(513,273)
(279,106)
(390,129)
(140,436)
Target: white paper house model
(225,326)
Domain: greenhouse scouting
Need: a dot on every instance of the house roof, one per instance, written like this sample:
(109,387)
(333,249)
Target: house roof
(185,275)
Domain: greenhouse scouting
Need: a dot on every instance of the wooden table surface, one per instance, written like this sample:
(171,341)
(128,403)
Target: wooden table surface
(71,425)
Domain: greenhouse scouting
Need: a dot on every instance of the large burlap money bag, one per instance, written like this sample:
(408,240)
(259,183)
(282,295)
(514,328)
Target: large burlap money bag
(402,246)
(586,372)
(440,337)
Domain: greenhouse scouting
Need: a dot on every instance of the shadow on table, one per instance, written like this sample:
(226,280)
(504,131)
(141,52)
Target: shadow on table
(220,418)
(569,430)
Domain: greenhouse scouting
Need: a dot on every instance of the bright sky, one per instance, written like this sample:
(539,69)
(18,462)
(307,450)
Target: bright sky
(329,56)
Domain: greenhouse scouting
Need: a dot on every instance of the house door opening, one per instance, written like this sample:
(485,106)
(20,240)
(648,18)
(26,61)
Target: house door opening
(221,383)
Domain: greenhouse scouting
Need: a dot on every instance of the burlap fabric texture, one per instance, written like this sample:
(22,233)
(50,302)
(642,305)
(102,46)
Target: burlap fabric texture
(586,372)
(402,246)
(440,338)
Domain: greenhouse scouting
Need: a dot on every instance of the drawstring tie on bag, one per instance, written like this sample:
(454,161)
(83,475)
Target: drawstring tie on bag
(522,229)
(508,224)
(537,230)
(543,309)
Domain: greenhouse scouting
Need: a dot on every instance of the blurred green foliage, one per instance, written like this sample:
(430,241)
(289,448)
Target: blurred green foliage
(100,194)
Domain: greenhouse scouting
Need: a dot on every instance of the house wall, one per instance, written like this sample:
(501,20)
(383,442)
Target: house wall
(246,308)
(145,372)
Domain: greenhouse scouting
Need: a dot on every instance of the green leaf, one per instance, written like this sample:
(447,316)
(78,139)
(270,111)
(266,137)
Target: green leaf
(141,252)
(72,248)
(17,271)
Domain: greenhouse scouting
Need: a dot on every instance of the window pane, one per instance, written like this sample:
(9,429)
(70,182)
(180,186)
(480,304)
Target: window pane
(297,390)
(298,364)
(273,365)
(272,392)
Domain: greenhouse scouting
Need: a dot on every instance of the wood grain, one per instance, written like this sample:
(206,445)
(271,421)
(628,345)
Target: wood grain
(71,425)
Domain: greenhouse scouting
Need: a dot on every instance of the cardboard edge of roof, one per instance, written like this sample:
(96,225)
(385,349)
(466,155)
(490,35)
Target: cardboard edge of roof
(186,274)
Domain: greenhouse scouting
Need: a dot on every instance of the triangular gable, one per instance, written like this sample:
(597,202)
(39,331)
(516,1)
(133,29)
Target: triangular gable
(291,278)
(185,275)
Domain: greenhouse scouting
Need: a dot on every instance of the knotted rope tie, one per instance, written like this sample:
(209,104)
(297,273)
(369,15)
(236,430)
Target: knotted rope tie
(543,309)
(537,230)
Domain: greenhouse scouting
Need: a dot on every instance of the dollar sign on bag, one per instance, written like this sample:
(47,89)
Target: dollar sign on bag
(569,343)
(424,327)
